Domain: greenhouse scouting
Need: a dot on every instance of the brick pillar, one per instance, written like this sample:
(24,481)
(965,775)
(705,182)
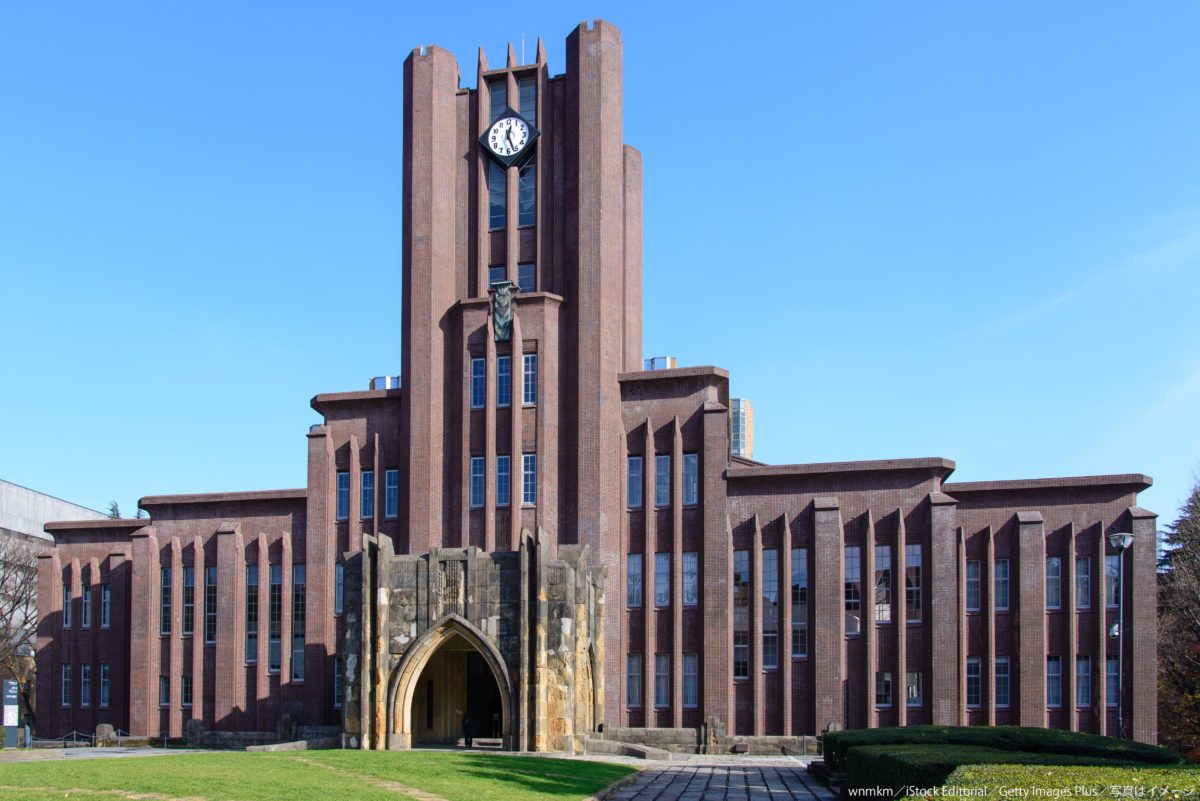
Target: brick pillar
(321,556)
(676,574)
(175,713)
(757,676)
(516,470)
(1141,640)
(715,596)
(987,605)
(785,625)
(49,623)
(262,678)
(944,608)
(651,545)
(231,629)
(143,636)
(828,651)
(490,396)
(1101,634)
(1071,619)
(1030,631)
(963,634)
(867,627)
(119,581)
(900,611)
(198,646)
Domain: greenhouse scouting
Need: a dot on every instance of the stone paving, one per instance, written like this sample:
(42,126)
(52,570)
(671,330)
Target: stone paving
(741,780)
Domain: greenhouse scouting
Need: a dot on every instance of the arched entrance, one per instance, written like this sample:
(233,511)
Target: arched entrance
(450,671)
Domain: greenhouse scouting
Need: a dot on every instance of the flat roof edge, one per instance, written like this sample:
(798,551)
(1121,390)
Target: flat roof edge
(934,463)
(1139,480)
(225,497)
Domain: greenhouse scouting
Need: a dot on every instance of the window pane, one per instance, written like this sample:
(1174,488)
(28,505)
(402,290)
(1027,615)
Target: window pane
(210,604)
(974,682)
(165,602)
(498,99)
(1053,582)
(799,602)
(1083,681)
(883,584)
(497,196)
(251,614)
(367,493)
(770,595)
(1002,679)
(1083,582)
(1053,681)
(1001,590)
(662,579)
(189,600)
(529,379)
(527,194)
(912,689)
(1112,580)
(503,480)
(691,684)
(662,680)
(503,380)
(691,479)
(527,277)
(633,580)
(391,499)
(527,90)
(741,614)
(478,383)
(852,585)
(529,479)
(496,275)
(662,480)
(633,680)
(883,689)
(633,488)
(973,575)
(912,583)
(343,496)
(476,481)
(691,578)
(298,622)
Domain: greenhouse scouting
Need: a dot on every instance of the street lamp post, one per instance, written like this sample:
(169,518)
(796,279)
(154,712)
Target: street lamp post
(1120,542)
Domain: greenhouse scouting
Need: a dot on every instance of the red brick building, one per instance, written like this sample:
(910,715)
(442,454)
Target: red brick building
(770,599)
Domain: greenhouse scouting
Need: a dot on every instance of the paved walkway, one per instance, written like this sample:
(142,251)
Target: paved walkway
(726,780)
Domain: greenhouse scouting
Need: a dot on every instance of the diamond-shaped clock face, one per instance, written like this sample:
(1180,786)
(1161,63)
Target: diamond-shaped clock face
(510,138)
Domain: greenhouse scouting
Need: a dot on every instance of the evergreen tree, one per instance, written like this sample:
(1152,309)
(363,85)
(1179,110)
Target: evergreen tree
(114,511)
(1179,630)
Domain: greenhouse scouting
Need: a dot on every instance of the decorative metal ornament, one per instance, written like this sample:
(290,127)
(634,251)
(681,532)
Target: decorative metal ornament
(502,309)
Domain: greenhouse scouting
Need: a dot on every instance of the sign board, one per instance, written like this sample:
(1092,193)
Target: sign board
(11,713)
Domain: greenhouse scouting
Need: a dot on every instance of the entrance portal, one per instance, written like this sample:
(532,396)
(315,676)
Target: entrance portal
(456,683)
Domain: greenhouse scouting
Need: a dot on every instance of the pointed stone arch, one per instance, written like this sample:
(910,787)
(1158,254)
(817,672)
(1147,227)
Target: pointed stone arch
(402,684)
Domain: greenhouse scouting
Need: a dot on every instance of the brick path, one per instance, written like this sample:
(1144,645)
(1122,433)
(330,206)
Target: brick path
(723,782)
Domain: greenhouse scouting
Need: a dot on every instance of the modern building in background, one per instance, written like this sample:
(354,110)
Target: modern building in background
(741,427)
(537,528)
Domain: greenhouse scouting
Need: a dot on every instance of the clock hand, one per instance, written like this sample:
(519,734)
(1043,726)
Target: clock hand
(508,136)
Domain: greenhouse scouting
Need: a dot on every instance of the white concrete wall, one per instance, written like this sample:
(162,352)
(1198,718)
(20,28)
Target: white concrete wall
(26,511)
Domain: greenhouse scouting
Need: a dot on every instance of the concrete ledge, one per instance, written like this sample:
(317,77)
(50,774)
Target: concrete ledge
(616,748)
(323,744)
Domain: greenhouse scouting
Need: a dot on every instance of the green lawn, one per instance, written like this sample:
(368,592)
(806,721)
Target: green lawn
(309,776)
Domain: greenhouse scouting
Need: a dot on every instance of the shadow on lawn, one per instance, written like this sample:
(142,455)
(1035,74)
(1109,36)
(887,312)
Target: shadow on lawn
(542,774)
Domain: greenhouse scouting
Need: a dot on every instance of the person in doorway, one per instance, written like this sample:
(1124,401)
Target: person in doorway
(468,728)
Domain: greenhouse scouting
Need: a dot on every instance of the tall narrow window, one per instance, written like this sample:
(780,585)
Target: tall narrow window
(503,380)
(912,689)
(164,606)
(497,196)
(1112,681)
(691,479)
(529,378)
(662,480)
(662,579)
(189,600)
(853,590)
(883,688)
(691,681)
(633,680)
(1053,582)
(164,690)
(251,614)
(343,495)
(275,619)
(527,92)
(339,588)
(105,605)
(799,602)
(883,584)
(974,572)
(476,482)
(1083,582)
(1054,681)
(633,482)
(912,583)
(337,682)
(65,686)
(527,194)
(1002,682)
(298,597)
(104,686)
(366,494)
(770,596)
(478,383)
(1000,590)
(391,493)
(741,614)
(691,578)
(974,682)
(529,479)
(66,609)
(85,684)
(503,479)
(662,680)
(210,604)
(1112,580)
(1083,681)
(633,580)
(185,691)
(85,605)
(527,277)
(497,274)
(498,98)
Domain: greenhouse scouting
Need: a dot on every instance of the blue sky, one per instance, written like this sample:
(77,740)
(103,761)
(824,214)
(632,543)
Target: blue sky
(969,230)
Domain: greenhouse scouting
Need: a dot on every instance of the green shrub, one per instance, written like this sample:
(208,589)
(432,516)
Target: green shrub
(1004,738)
(1152,782)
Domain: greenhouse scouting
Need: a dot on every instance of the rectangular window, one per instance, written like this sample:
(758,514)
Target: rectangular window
(1054,681)
(691,578)
(691,681)
(104,686)
(912,689)
(1083,582)
(529,479)
(478,383)
(633,482)
(853,589)
(105,606)
(503,380)
(65,686)
(366,505)
(275,619)
(527,92)
(497,274)
(662,579)
(1112,681)
(633,580)
(741,614)
(497,196)
(1083,681)
(185,691)
(883,688)
(503,479)
(1001,588)
(1002,682)
(85,608)
(251,614)
(662,480)
(527,277)
(527,194)
(189,601)
(498,98)
(529,379)
(66,609)
(770,596)
(337,682)
(298,596)
(691,479)
(1053,582)
(883,584)
(210,604)
(662,680)
(85,684)
(391,493)
(1112,580)
(912,583)
(343,495)
(164,606)
(476,482)
(164,690)
(974,572)
(974,682)
(339,588)
(799,602)
(633,680)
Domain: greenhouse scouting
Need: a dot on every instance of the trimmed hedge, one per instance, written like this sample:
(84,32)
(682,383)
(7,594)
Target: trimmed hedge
(990,781)
(1004,738)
